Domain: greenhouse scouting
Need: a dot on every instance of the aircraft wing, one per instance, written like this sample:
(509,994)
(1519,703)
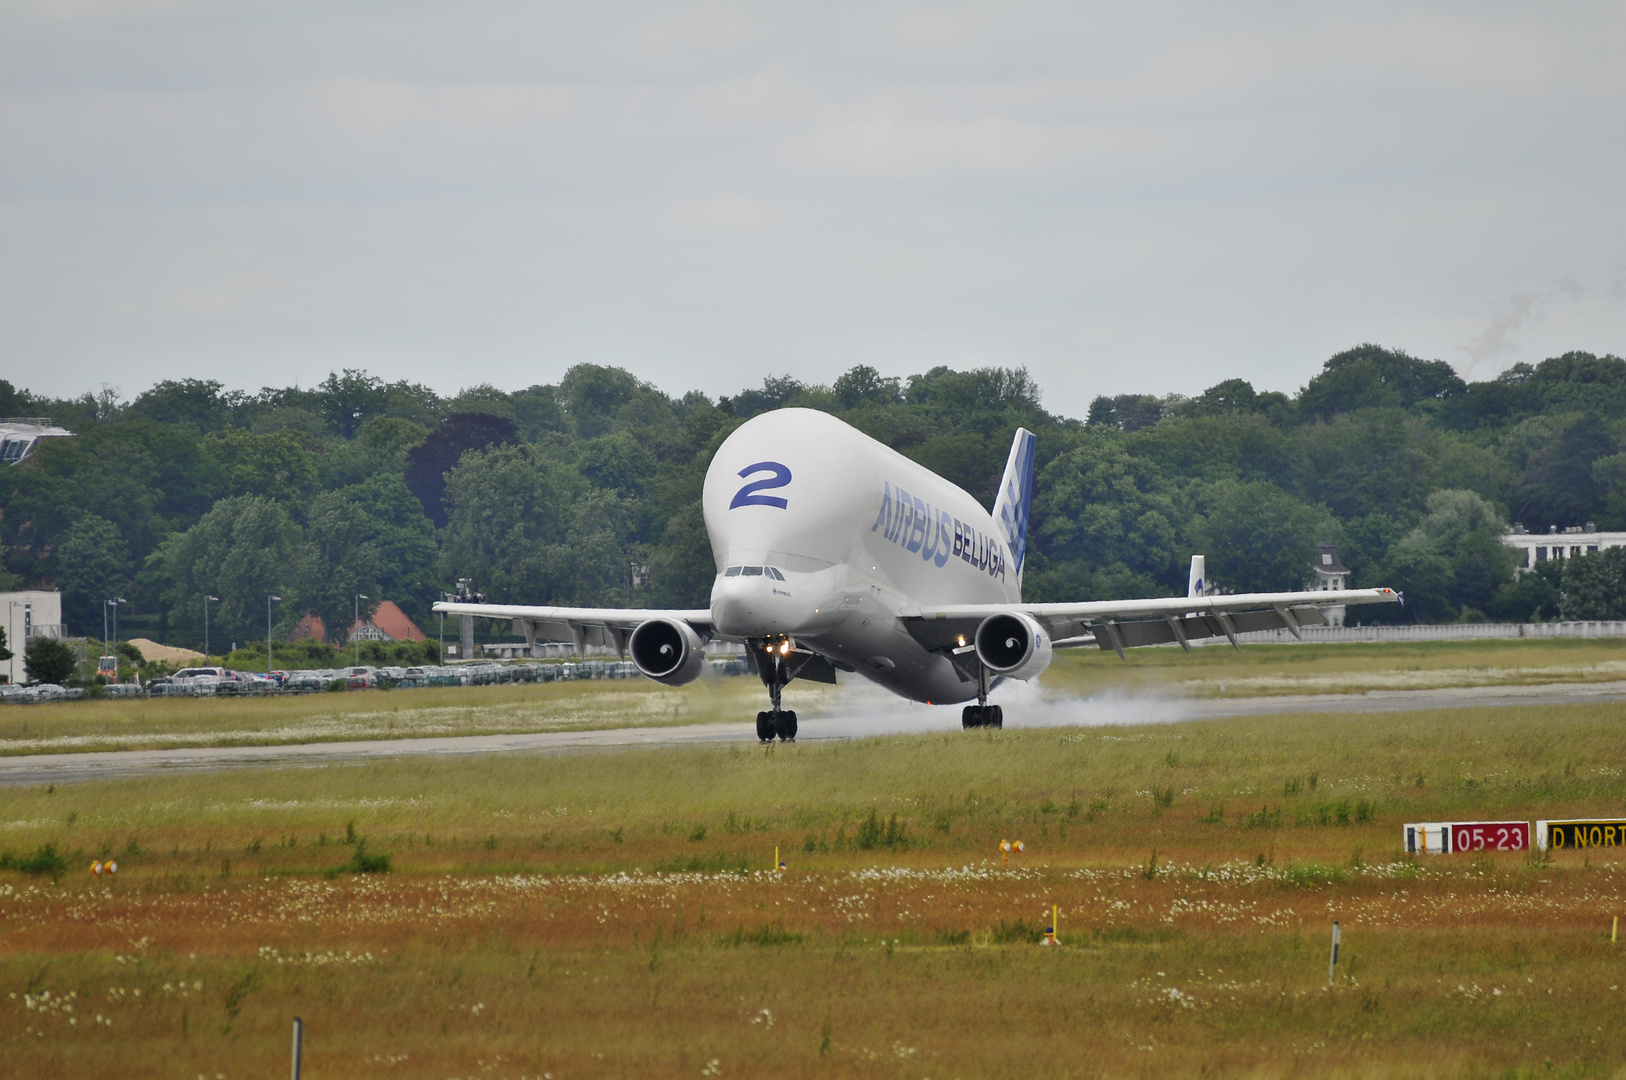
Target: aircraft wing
(1125,624)
(580,626)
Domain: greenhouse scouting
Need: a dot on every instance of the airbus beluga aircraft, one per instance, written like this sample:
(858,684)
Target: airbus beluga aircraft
(835,552)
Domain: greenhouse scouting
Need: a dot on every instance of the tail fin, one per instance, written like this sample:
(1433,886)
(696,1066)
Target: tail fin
(1011,508)
(1195,584)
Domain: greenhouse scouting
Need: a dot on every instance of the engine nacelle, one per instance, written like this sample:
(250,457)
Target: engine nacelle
(668,651)
(1013,645)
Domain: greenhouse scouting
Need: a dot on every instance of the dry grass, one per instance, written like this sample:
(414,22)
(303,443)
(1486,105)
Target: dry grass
(612,914)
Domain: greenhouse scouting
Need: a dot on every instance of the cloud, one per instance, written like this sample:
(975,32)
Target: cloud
(1122,198)
(1496,339)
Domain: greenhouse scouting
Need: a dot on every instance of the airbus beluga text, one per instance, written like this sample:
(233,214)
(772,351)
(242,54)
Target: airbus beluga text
(835,552)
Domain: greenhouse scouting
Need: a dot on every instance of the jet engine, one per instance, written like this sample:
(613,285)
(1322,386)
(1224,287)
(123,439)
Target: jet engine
(1013,645)
(668,651)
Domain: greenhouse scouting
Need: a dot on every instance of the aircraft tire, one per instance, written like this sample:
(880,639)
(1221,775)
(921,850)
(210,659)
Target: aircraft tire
(969,717)
(765,725)
(787,725)
(996,717)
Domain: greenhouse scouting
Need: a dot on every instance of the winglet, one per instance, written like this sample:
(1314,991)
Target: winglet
(1011,508)
(1199,570)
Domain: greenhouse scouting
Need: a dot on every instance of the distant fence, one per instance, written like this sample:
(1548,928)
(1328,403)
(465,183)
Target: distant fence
(1447,632)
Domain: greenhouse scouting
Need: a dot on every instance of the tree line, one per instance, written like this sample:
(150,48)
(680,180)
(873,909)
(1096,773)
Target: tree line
(587,491)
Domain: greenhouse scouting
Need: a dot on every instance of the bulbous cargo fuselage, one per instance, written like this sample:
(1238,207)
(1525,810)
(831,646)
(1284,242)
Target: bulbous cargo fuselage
(823,535)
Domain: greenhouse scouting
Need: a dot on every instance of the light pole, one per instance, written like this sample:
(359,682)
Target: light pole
(268,601)
(11,638)
(355,630)
(206,599)
(117,601)
(104,626)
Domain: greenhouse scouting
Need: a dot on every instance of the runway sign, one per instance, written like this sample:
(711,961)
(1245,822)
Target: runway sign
(1581,833)
(1490,836)
(1451,837)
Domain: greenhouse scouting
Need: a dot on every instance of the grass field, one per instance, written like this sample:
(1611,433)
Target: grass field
(614,913)
(1256,671)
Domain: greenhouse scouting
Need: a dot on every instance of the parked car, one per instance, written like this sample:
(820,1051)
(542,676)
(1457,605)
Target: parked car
(361,678)
(309,681)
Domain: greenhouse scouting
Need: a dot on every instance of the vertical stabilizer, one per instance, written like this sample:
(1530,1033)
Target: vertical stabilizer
(1195,584)
(1011,508)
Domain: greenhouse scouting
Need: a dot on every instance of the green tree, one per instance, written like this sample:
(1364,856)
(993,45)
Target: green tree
(618,462)
(93,565)
(48,660)
(1369,376)
(1105,521)
(404,539)
(864,384)
(681,566)
(195,403)
(1579,382)
(510,508)
(1595,585)
(242,551)
(1369,461)
(592,395)
(429,463)
(1559,486)
(1257,538)
(1455,557)
(1535,595)
(148,479)
(274,465)
(595,561)
(1424,579)
(339,561)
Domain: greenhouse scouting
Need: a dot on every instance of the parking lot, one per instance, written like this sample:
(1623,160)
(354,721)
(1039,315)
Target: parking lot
(224,682)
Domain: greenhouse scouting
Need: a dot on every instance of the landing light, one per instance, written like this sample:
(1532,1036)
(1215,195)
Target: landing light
(961,640)
(784,649)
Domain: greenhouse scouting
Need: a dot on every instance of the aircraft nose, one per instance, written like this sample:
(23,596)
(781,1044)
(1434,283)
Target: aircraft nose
(754,606)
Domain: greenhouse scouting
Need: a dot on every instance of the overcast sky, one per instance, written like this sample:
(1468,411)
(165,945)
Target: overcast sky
(1136,197)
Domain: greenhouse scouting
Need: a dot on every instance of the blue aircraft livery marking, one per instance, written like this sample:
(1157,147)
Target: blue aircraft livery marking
(747,495)
(1015,500)
(936,535)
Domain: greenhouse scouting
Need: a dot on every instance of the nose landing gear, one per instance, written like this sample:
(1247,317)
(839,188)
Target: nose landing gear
(774,667)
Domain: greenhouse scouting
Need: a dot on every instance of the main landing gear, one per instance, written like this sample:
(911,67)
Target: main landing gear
(774,665)
(982,714)
(777,723)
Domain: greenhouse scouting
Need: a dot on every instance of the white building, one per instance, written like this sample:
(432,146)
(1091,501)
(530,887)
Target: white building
(1570,543)
(20,434)
(30,614)
(1329,574)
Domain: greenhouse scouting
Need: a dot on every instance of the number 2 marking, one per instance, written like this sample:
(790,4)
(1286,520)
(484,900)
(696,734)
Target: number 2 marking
(747,495)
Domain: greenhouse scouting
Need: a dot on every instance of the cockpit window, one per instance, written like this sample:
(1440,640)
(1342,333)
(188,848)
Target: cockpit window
(733,571)
(752,571)
(774,573)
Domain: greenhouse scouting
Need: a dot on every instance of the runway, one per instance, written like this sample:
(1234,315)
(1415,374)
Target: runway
(1025,709)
